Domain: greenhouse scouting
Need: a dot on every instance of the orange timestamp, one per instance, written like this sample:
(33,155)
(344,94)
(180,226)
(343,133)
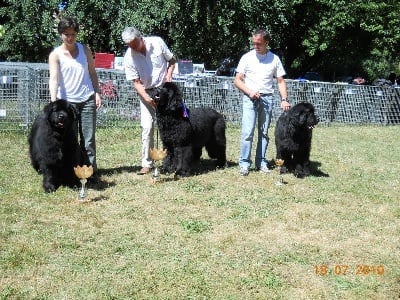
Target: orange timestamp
(364,270)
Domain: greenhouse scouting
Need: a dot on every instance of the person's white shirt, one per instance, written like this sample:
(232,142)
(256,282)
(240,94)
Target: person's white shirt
(260,70)
(150,68)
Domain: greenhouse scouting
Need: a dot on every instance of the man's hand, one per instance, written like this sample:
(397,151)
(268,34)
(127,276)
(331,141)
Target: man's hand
(150,101)
(254,95)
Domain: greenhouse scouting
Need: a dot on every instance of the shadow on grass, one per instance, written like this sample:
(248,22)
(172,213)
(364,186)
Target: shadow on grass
(209,165)
(100,185)
(100,198)
(314,169)
(201,167)
(118,170)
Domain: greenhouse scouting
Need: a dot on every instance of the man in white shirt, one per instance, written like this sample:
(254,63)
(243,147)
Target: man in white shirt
(255,74)
(149,63)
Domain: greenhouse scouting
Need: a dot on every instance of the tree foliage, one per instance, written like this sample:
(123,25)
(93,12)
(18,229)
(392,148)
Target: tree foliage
(27,26)
(350,37)
(334,38)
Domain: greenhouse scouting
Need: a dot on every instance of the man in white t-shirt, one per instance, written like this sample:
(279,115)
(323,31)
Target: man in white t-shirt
(149,63)
(255,76)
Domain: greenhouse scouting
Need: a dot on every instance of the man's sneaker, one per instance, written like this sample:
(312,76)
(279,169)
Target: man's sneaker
(264,169)
(244,171)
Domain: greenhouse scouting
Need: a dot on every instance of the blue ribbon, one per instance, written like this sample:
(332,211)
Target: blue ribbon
(185,111)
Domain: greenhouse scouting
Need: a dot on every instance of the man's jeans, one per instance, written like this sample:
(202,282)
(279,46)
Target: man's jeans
(259,111)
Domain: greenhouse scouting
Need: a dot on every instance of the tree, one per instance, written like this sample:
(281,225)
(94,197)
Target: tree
(26,24)
(347,37)
(331,37)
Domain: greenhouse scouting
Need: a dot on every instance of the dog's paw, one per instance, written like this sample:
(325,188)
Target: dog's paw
(299,173)
(183,173)
(222,164)
(49,188)
(283,170)
(166,170)
(306,171)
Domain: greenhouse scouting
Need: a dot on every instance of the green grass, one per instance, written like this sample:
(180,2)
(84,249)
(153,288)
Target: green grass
(215,235)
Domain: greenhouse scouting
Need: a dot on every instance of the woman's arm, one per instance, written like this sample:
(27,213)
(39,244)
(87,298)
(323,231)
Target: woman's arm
(53,78)
(170,69)
(93,75)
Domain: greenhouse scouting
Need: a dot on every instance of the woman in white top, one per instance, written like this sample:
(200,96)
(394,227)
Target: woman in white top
(73,78)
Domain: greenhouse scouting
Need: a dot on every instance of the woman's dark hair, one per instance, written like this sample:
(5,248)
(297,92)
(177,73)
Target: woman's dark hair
(265,34)
(66,23)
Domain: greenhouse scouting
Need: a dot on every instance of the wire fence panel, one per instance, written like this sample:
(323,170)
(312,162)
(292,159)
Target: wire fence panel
(15,105)
(120,102)
(24,91)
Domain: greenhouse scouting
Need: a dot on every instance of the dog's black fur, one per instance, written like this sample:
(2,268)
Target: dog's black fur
(184,137)
(53,146)
(293,134)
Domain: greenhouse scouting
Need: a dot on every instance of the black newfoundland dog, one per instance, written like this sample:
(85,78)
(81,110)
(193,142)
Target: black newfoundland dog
(293,134)
(53,146)
(185,132)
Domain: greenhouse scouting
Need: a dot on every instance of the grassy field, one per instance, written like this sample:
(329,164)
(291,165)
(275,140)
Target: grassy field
(216,235)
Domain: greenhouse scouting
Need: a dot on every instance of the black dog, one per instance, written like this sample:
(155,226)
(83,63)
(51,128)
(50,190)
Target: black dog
(184,133)
(53,145)
(293,134)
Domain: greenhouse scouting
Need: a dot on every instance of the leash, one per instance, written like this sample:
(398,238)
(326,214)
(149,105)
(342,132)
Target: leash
(156,125)
(153,92)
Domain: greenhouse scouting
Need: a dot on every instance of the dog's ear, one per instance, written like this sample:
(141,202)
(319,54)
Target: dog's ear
(173,88)
(171,94)
(72,111)
(303,116)
(174,96)
(155,93)
(174,103)
(48,108)
(291,126)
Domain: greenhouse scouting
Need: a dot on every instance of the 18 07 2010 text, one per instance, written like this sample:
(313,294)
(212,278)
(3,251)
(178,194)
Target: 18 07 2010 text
(343,269)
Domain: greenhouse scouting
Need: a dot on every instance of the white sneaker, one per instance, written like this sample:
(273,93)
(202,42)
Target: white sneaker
(264,169)
(244,171)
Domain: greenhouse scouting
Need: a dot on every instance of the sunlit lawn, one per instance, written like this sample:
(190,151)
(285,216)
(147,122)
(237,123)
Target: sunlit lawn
(217,235)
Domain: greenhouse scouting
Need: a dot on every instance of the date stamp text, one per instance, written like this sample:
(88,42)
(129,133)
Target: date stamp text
(359,270)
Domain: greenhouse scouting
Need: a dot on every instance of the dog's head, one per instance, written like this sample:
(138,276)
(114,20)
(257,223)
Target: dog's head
(303,114)
(168,98)
(60,114)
